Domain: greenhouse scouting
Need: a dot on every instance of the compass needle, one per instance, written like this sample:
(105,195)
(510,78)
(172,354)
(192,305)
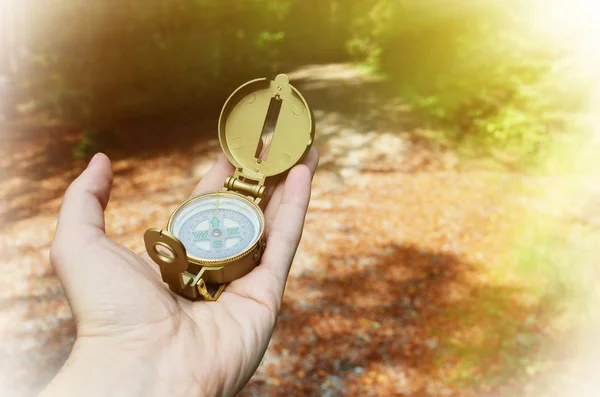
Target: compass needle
(217,206)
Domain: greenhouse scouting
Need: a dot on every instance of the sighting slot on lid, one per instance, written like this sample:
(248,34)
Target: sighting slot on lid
(266,136)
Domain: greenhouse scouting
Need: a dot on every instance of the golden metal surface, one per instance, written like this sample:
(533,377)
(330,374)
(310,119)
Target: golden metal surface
(171,268)
(265,128)
(254,190)
(244,117)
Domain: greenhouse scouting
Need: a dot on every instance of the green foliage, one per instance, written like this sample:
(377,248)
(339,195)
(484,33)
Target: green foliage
(82,148)
(372,21)
(107,63)
(479,71)
(98,64)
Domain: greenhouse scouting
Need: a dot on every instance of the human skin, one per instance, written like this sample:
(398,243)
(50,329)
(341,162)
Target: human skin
(134,336)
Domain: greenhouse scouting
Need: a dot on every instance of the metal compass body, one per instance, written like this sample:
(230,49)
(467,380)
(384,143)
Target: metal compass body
(265,128)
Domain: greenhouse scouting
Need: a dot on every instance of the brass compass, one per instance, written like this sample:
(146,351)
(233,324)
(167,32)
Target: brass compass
(265,128)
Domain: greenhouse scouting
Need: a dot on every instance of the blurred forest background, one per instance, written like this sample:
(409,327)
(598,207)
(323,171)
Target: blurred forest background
(484,71)
(467,119)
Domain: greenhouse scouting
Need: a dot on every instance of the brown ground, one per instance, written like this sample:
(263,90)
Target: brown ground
(391,291)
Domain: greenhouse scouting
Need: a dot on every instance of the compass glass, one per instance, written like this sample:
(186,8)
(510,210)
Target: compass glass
(217,226)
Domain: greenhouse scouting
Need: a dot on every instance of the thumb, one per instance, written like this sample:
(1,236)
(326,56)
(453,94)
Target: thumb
(81,217)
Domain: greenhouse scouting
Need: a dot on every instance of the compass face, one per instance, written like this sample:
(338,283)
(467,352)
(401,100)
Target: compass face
(217,226)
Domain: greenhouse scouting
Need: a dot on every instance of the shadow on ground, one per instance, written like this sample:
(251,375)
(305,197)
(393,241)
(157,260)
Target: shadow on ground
(410,320)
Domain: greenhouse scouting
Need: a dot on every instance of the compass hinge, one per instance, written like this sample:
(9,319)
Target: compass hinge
(255,190)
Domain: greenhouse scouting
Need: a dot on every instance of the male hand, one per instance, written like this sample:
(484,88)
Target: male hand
(135,337)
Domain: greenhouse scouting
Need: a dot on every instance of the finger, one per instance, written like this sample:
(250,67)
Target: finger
(311,161)
(266,283)
(81,216)
(286,230)
(82,211)
(215,178)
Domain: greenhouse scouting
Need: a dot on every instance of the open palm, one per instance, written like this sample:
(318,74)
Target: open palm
(136,337)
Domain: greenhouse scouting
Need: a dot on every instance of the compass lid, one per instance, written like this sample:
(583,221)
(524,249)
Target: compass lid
(266,127)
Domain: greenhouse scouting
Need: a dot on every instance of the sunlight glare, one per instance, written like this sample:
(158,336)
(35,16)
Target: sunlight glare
(575,24)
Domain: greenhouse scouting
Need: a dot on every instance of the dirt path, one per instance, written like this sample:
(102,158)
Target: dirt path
(391,292)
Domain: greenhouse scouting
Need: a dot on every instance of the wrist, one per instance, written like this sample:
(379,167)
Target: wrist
(100,366)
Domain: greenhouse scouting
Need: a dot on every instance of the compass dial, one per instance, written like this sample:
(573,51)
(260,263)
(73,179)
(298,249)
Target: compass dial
(217,226)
